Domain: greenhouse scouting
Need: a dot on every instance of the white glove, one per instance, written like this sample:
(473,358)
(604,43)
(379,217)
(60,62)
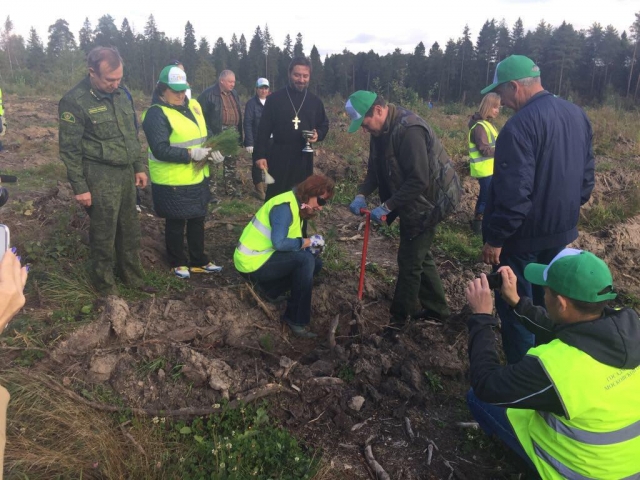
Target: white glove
(217,157)
(3,121)
(317,240)
(199,154)
(249,149)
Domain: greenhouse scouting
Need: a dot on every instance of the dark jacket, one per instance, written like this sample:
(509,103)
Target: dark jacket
(611,340)
(252,114)
(97,127)
(412,172)
(211,102)
(175,202)
(543,172)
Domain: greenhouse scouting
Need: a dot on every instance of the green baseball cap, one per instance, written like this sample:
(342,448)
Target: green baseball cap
(511,68)
(357,106)
(575,274)
(174,77)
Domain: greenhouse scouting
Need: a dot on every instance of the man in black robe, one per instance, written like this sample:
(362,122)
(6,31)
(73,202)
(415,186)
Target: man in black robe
(286,114)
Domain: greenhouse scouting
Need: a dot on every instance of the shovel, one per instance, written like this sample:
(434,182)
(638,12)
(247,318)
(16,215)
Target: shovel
(357,325)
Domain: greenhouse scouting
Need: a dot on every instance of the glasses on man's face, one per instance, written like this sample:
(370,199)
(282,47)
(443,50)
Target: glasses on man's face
(321,201)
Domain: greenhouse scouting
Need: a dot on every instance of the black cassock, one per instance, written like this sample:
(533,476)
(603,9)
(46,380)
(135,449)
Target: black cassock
(287,163)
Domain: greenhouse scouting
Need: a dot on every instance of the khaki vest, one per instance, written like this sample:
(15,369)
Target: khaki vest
(482,166)
(255,246)
(600,437)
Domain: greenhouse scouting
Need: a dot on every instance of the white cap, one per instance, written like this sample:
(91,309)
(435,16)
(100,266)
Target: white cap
(262,82)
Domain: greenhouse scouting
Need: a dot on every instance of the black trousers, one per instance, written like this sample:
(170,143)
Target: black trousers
(174,239)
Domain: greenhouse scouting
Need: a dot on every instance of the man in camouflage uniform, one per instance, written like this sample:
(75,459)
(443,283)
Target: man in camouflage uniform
(221,108)
(416,182)
(99,146)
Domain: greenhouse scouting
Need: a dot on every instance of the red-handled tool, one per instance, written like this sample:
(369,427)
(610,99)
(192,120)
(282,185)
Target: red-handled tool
(365,245)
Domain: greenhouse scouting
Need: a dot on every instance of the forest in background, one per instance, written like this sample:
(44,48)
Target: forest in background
(590,67)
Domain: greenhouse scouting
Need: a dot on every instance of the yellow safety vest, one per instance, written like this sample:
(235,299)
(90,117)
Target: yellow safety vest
(184,134)
(1,104)
(255,246)
(482,166)
(600,437)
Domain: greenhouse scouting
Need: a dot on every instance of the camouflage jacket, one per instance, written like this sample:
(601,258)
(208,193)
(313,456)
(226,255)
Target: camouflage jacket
(97,127)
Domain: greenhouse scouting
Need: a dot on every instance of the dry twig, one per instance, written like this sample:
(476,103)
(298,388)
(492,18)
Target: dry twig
(375,466)
(332,331)
(261,304)
(407,426)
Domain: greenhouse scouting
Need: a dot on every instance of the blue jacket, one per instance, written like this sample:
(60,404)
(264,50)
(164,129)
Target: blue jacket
(543,174)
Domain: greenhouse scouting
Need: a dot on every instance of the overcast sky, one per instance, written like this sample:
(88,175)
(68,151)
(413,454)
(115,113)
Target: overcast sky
(331,25)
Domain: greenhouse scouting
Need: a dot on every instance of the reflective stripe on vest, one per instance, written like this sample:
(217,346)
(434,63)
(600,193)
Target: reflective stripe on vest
(255,247)
(184,134)
(482,166)
(599,436)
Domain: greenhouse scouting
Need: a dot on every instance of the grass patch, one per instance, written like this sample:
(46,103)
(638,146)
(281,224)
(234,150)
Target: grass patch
(624,205)
(51,436)
(236,207)
(241,443)
(333,257)
(459,242)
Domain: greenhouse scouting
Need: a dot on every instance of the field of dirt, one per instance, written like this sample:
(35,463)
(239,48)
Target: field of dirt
(403,394)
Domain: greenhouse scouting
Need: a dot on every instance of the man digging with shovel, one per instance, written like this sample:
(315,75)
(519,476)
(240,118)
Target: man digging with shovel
(416,181)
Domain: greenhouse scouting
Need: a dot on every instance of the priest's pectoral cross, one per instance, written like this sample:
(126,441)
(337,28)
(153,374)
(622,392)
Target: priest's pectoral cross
(296,121)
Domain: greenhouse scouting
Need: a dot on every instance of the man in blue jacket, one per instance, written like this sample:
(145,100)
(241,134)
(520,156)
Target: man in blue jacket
(543,174)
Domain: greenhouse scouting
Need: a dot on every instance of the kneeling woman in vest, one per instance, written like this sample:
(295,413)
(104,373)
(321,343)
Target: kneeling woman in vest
(273,254)
(482,146)
(175,129)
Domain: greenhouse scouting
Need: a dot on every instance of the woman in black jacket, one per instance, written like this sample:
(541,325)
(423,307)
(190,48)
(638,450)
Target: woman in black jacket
(176,129)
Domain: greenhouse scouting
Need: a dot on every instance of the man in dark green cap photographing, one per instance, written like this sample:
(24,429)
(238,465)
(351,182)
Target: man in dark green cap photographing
(570,407)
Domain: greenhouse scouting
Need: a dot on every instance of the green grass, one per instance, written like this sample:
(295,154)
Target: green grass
(46,175)
(238,444)
(333,257)
(623,206)
(235,208)
(459,242)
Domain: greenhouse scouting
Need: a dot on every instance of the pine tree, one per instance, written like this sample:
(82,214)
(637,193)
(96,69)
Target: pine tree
(36,58)
(317,77)
(60,39)
(106,33)
(256,55)
(518,38)
(298,49)
(189,57)
(220,55)
(85,36)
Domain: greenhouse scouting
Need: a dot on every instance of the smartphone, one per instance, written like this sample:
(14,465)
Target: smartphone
(495,280)
(4,239)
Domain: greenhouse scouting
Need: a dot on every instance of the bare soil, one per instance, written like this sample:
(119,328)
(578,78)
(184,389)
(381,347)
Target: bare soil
(227,342)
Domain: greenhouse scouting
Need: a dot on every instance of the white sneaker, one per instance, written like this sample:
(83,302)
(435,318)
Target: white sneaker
(208,268)
(181,272)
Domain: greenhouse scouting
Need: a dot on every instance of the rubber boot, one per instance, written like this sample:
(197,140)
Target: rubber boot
(260,191)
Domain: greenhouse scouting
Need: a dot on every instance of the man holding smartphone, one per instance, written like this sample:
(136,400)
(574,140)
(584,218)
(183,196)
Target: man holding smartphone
(99,146)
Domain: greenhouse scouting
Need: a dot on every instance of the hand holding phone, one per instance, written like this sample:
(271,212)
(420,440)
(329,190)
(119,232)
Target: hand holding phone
(495,280)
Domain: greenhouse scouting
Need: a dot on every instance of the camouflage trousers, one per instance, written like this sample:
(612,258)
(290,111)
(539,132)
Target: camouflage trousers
(114,232)
(229,182)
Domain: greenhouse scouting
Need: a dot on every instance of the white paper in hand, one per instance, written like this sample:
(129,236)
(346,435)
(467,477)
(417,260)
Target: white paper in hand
(268,179)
